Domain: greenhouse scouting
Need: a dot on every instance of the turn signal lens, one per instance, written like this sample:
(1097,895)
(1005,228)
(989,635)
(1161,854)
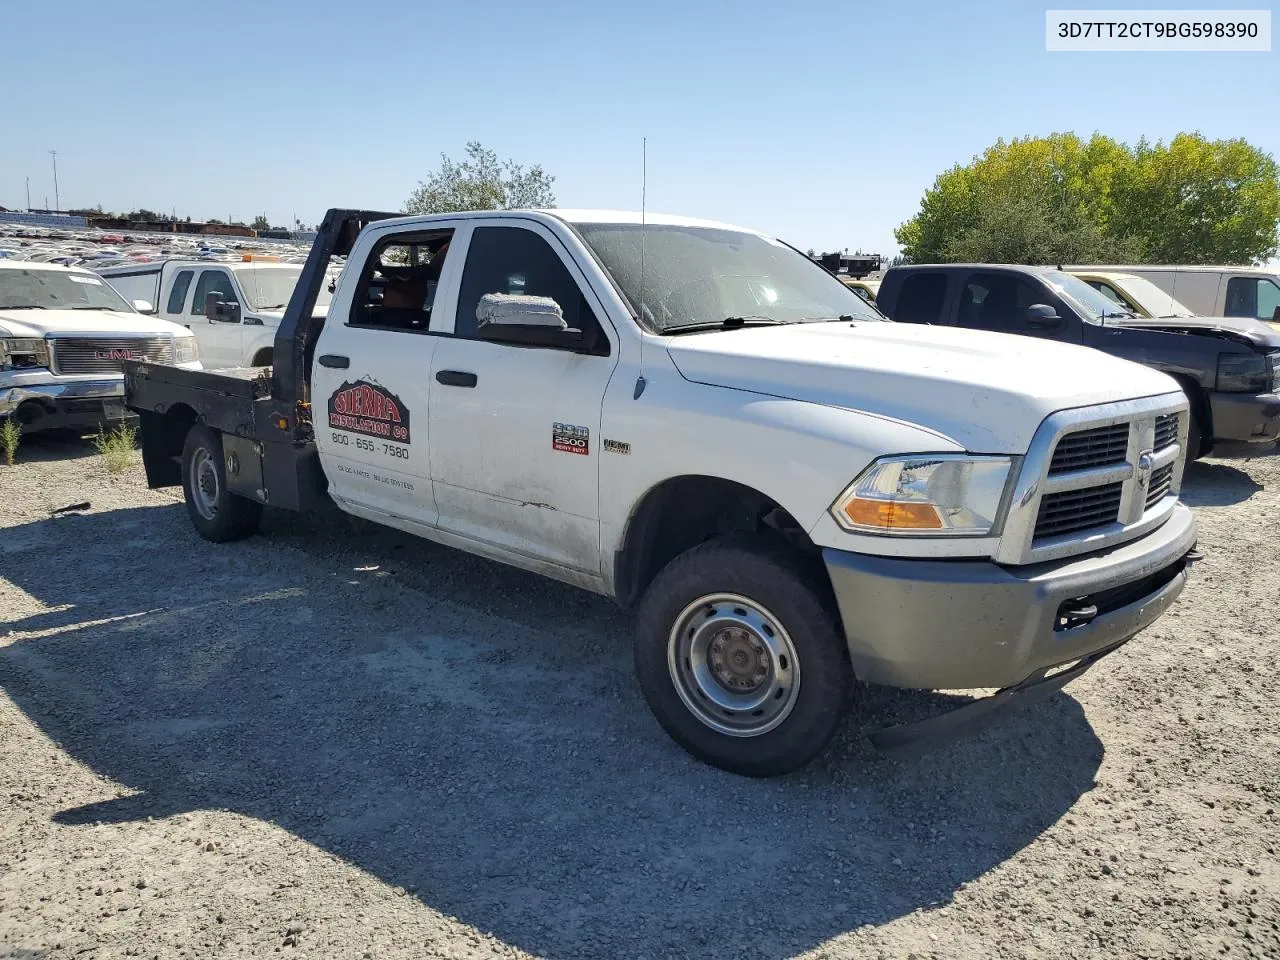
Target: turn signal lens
(893,515)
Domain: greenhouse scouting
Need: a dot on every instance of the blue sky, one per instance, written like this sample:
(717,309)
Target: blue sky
(821,123)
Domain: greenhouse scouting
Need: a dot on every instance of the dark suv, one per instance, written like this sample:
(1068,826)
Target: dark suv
(1229,368)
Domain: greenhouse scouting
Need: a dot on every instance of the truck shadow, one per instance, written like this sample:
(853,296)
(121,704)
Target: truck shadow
(1214,483)
(51,446)
(474,735)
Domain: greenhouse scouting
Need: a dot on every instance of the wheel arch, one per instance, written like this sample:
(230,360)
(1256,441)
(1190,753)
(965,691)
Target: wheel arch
(681,512)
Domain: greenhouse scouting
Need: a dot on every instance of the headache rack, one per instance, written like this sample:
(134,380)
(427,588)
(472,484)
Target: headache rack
(263,413)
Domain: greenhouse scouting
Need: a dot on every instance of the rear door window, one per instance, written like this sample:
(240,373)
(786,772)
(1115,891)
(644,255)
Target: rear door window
(178,295)
(921,298)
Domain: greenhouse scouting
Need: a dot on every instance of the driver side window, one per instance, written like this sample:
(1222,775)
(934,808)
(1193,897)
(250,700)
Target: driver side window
(512,260)
(212,281)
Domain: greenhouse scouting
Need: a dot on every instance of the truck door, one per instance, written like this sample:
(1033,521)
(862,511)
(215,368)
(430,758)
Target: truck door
(515,430)
(219,339)
(369,381)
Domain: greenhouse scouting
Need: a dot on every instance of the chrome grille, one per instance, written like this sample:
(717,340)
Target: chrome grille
(1161,481)
(1075,510)
(1098,447)
(1095,476)
(81,355)
(1166,431)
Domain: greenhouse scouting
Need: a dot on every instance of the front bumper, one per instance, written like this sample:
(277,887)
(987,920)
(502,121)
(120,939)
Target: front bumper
(1245,418)
(965,624)
(66,404)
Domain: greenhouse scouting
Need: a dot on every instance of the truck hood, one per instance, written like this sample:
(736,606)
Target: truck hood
(987,392)
(1239,329)
(83,323)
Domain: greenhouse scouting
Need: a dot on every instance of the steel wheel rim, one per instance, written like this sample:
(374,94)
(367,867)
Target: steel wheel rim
(205,486)
(733,664)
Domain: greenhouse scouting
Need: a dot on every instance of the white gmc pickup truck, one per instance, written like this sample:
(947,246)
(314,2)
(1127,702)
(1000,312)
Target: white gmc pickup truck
(63,336)
(233,307)
(697,419)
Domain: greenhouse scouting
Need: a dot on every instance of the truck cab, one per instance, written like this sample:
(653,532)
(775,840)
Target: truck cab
(233,307)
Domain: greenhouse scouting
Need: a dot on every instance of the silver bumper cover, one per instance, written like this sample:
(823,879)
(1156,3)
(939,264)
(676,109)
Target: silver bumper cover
(965,624)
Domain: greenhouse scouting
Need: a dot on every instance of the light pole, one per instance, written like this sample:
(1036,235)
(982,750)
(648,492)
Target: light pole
(57,203)
(28,194)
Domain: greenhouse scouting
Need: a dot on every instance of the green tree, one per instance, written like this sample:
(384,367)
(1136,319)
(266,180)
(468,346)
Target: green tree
(260,223)
(482,182)
(1060,198)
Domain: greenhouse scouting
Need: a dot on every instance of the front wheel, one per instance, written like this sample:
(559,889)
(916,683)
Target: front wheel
(217,513)
(740,659)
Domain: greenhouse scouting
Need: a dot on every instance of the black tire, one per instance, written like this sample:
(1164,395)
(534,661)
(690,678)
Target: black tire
(1196,446)
(228,516)
(785,587)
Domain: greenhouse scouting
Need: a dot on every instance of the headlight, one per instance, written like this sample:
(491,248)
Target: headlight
(184,350)
(20,353)
(1244,373)
(938,495)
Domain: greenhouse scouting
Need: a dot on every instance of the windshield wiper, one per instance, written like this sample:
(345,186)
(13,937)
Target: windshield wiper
(1120,316)
(25,306)
(728,323)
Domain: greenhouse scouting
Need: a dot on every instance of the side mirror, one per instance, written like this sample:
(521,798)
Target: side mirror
(524,321)
(221,311)
(144,306)
(1043,316)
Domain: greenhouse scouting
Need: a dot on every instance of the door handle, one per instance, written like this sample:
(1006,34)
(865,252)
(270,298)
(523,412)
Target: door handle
(335,361)
(456,378)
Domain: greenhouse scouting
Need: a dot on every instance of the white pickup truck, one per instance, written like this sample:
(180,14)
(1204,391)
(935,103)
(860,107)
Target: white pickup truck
(233,308)
(697,419)
(63,336)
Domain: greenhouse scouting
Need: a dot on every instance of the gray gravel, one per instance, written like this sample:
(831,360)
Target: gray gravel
(336,741)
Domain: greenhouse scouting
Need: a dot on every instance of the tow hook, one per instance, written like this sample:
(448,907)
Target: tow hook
(1192,556)
(1076,613)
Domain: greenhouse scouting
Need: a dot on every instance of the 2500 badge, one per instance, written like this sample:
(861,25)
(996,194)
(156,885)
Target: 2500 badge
(370,409)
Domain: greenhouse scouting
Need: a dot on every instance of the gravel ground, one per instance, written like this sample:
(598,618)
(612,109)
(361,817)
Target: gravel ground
(335,741)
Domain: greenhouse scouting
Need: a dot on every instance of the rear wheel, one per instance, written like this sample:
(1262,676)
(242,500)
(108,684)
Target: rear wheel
(217,514)
(740,659)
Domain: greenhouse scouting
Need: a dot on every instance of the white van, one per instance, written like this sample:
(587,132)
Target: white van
(1212,291)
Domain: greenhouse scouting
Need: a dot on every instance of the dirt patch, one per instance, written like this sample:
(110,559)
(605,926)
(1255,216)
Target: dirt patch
(338,741)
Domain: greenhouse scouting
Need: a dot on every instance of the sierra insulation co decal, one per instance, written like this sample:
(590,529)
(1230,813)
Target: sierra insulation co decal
(364,407)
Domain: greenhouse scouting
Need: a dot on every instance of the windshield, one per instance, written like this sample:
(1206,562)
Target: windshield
(1093,305)
(269,288)
(697,275)
(1151,298)
(57,290)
